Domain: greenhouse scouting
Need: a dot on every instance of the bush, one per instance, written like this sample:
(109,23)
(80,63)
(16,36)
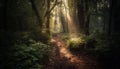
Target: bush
(31,37)
(76,44)
(27,57)
(65,37)
(39,36)
(105,48)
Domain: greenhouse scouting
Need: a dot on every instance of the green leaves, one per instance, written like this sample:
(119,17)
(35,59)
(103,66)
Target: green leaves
(29,57)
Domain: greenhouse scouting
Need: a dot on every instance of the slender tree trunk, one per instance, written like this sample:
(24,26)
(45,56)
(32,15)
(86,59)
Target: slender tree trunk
(104,24)
(87,15)
(110,20)
(113,16)
(63,22)
(48,17)
(81,17)
(5,23)
(36,13)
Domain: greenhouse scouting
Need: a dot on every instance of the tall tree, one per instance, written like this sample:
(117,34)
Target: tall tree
(5,7)
(80,9)
(48,17)
(36,13)
(87,16)
(115,17)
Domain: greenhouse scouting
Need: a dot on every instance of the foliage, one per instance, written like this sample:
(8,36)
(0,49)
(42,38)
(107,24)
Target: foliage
(20,16)
(25,32)
(102,46)
(39,36)
(65,37)
(31,37)
(105,48)
(22,56)
(76,43)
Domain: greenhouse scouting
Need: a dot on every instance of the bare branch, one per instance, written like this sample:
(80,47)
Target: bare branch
(48,12)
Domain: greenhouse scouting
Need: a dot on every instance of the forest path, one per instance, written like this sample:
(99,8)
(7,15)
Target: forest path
(62,58)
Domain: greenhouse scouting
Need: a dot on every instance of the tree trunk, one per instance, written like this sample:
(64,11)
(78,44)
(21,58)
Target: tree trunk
(114,17)
(81,17)
(87,15)
(48,17)
(36,13)
(5,23)
(111,15)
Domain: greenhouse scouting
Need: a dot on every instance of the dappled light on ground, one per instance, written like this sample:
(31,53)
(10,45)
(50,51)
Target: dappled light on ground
(75,39)
(64,20)
(62,58)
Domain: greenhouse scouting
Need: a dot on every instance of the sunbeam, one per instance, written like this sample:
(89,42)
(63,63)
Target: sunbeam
(63,17)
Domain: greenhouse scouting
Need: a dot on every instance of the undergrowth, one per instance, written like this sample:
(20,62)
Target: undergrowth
(23,51)
(27,57)
(105,48)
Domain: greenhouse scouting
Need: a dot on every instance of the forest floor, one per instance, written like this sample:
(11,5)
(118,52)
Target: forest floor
(62,58)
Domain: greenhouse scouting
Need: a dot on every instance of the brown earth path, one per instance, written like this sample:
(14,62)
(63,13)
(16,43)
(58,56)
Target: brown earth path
(62,58)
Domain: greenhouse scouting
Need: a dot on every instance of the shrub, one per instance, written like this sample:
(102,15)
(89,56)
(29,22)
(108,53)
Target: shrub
(65,37)
(38,36)
(105,48)
(31,37)
(76,44)
(27,57)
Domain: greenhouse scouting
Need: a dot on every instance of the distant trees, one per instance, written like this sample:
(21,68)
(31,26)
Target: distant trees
(91,10)
(3,13)
(20,14)
(114,17)
(50,7)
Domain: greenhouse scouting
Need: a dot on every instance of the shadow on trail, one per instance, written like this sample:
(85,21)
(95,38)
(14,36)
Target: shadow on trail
(62,58)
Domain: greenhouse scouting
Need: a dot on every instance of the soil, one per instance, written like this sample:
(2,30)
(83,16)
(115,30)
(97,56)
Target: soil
(62,58)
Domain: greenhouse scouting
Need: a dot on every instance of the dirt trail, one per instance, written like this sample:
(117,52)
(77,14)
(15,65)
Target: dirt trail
(62,58)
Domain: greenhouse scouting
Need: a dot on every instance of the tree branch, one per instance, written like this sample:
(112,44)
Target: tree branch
(48,12)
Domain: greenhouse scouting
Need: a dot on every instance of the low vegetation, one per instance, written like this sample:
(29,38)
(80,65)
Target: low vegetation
(23,51)
(103,47)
